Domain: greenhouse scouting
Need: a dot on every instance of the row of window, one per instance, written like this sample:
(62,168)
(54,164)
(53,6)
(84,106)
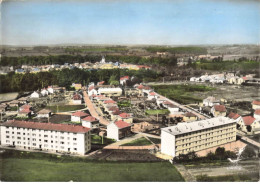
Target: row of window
(45,131)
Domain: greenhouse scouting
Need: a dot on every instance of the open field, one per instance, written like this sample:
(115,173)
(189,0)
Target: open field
(95,139)
(28,167)
(8,96)
(65,108)
(155,112)
(182,93)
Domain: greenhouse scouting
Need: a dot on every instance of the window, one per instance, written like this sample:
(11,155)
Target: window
(74,143)
(34,139)
(18,137)
(18,133)
(51,141)
(45,135)
(75,139)
(24,134)
(7,136)
(75,149)
(62,137)
(7,132)
(46,141)
(34,144)
(7,141)
(62,142)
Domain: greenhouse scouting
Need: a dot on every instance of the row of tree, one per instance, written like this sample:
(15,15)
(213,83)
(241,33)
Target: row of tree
(14,82)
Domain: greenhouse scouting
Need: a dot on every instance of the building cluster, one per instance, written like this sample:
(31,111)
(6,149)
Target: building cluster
(228,78)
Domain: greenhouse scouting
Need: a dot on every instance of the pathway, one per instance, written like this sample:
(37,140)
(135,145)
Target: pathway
(92,109)
(185,173)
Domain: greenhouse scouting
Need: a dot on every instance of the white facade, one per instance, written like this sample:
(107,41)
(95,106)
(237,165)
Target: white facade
(90,124)
(92,92)
(43,115)
(48,140)
(50,90)
(173,109)
(113,131)
(167,143)
(44,92)
(77,102)
(35,95)
(110,91)
(75,119)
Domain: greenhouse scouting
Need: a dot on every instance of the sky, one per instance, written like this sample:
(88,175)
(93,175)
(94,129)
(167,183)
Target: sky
(130,22)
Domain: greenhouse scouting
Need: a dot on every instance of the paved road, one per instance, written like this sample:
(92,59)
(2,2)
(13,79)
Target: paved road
(92,109)
(184,108)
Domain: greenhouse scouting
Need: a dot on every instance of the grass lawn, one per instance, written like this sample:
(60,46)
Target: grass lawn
(226,178)
(155,140)
(155,112)
(45,167)
(138,142)
(65,108)
(182,93)
(124,103)
(95,139)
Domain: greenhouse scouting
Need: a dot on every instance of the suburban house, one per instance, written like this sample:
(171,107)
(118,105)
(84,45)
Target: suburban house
(143,127)
(257,114)
(256,104)
(118,130)
(77,86)
(49,137)
(234,116)
(188,117)
(123,80)
(152,96)
(173,109)
(44,113)
(23,100)
(24,113)
(90,122)
(218,110)
(50,89)
(249,125)
(92,90)
(125,117)
(210,101)
(110,91)
(44,92)
(78,116)
(35,95)
(26,106)
(77,99)
(196,136)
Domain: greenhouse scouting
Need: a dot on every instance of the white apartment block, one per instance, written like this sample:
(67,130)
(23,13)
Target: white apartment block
(50,137)
(198,135)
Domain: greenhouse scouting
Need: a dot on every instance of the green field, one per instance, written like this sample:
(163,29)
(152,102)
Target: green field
(65,108)
(28,167)
(182,93)
(138,142)
(226,178)
(155,112)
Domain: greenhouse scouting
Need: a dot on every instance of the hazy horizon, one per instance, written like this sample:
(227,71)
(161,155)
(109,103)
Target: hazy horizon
(115,22)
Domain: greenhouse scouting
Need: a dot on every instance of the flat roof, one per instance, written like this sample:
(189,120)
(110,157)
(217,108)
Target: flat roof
(188,127)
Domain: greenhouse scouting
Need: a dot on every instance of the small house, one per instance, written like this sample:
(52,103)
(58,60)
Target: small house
(78,116)
(256,104)
(90,122)
(218,110)
(189,116)
(44,113)
(118,130)
(125,117)
(35,95)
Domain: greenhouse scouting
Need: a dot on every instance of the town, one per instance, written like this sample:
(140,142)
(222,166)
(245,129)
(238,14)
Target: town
(102,119)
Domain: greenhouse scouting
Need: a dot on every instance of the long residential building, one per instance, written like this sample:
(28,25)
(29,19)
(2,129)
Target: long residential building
(198,135)
(51,137)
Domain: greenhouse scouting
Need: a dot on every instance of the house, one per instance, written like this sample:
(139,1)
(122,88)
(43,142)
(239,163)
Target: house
(77,86)
(78,116)
(23,100)
(110,91)
(166,104)
(118,130)
(123,80)
(101,83)
(188,117)
(35,95)
(152,96)
(24,113)
(92,90)
(256,104)
(234,116)
(51,137)
(77,99)
(26,106)
(160,100)
(257,114)
(44,113)
(219,110)
(90,122)
(249,124)
(125,117)
(44,92)
(14,103)
(210,101)
(143,127)
(173,109)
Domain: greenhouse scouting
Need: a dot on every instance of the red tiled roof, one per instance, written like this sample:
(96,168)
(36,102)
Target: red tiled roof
(47,126)
(233,115)
(77,97)
(124,115)
(140,86)
(167,103)
(113,108)
(189,114)
(220,108)
(256,102)
(26,107)
(147,87)
(89,119)
(80,114)
(116,112)
(257,111)
(44,111)
(122,124)
(25,111)
(124,77)
(248,120)
(101,83)
(109,101)
(152,93)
